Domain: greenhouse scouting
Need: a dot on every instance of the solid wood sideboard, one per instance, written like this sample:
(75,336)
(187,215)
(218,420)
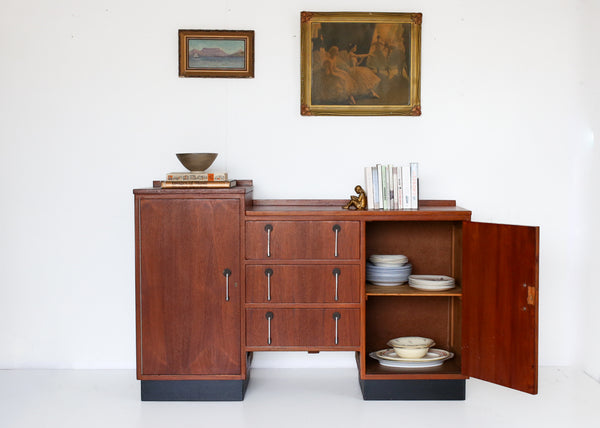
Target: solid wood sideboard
(220,276)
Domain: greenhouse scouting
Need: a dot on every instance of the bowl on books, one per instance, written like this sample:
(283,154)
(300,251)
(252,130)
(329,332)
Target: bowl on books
(197,161)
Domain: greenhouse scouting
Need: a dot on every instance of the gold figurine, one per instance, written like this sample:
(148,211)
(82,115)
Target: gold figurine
(359,202)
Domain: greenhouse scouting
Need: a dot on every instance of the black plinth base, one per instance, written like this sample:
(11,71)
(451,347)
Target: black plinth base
(194,390)
(408,389)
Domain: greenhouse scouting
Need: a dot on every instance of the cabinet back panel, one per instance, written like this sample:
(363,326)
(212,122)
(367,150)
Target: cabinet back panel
(429,246)
(433,317)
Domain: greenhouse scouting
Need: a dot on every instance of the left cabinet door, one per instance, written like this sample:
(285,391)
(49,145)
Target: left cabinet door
(188,275)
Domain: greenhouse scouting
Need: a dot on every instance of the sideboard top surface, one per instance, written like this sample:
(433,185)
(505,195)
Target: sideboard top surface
(428,210)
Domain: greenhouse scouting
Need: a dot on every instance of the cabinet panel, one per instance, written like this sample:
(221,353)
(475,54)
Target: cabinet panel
(297,240)
(302,328)
(302,283)
(500,310)
(186,325)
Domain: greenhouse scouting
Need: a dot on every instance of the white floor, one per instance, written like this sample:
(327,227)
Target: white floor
(288,398)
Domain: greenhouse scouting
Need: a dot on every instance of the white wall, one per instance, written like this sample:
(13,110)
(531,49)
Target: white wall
(91,107)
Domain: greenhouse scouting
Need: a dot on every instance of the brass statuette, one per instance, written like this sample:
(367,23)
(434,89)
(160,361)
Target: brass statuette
(359,202)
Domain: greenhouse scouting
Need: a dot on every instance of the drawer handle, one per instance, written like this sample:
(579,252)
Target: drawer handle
(268,229)
(227,273)
(269,317)
(336,273)
(269,272)
(336,317)
(337,228)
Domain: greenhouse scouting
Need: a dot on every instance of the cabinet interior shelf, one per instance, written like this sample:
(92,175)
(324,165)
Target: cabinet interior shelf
(449,369)
(406,290)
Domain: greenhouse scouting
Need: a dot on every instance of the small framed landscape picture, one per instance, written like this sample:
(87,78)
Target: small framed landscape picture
(360,64)
(216,53)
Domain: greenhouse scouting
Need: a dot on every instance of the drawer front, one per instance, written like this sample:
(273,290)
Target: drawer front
(303,283)
(293,240)
(303,328)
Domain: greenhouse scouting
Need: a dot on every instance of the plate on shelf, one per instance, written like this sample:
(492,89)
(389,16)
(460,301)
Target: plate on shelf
(431,282)
(388,259)
(434,358)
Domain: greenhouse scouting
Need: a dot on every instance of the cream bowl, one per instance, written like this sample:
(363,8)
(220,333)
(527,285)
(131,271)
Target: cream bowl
(411,346)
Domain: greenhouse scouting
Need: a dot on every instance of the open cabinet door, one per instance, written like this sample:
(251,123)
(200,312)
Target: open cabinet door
(500,304)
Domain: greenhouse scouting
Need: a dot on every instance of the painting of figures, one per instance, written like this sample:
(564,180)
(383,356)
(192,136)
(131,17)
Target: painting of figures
(216,53)
(360,64)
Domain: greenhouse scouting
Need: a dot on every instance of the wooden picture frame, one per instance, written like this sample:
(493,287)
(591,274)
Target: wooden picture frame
(360,64)
(216,53)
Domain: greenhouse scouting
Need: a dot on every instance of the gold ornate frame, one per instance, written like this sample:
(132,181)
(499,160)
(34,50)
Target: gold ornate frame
(216,39)
(319,96)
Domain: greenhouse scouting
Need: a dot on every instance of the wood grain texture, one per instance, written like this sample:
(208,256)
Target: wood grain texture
(303,283)
(500,328)
(185,325)
(302,240)
(303,328)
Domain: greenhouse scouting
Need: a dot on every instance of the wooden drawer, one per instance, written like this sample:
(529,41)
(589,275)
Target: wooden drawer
(302,328)
(303,283)
(297,240)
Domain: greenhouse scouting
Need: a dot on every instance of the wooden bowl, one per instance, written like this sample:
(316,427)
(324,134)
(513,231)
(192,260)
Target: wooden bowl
(197,161)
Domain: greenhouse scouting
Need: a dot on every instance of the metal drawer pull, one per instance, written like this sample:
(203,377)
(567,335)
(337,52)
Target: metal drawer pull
(227,272)
(268,229)
(336,317)
(336,273)
(269,272)
(269,317)
(337,230)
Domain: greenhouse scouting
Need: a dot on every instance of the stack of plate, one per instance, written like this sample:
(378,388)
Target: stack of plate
(388,260)
(434,358)
(388,269)
(431,282)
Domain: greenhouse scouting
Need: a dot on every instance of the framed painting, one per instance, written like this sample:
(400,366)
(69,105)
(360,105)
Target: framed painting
(216,53)
(360,64)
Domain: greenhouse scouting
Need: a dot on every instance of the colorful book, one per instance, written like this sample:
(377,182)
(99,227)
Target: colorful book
(197,184)
(197,176)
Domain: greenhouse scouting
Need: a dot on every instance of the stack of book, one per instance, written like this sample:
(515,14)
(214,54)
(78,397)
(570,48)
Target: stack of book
(197,180)
(391,187)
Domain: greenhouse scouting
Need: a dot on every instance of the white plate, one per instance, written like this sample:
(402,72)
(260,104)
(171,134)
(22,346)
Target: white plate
(431,287)
(431,282)
(434,358)
(386,283)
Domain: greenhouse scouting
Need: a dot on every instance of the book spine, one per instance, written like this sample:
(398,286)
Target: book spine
(204,176)
(414,185)
(400,188)
(380,186)
(406,187)
(198,184)
(386,195)
(395,185)
(369,187)
(375,187)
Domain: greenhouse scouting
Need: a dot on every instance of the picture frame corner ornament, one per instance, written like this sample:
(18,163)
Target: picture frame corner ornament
(305,110)
(417,18)
(306,16)
(416,110)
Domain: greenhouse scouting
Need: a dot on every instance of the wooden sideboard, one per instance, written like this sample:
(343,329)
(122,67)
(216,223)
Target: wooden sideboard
(220,276)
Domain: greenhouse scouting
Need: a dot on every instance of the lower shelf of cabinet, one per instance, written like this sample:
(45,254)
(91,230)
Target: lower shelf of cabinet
(449,370)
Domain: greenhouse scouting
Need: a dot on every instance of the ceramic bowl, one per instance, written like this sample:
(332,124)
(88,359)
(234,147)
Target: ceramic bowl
(197,161)
(411,346)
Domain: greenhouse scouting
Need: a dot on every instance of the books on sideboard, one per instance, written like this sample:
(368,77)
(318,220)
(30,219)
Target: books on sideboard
(198,184)
(197,176)
(392,187)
